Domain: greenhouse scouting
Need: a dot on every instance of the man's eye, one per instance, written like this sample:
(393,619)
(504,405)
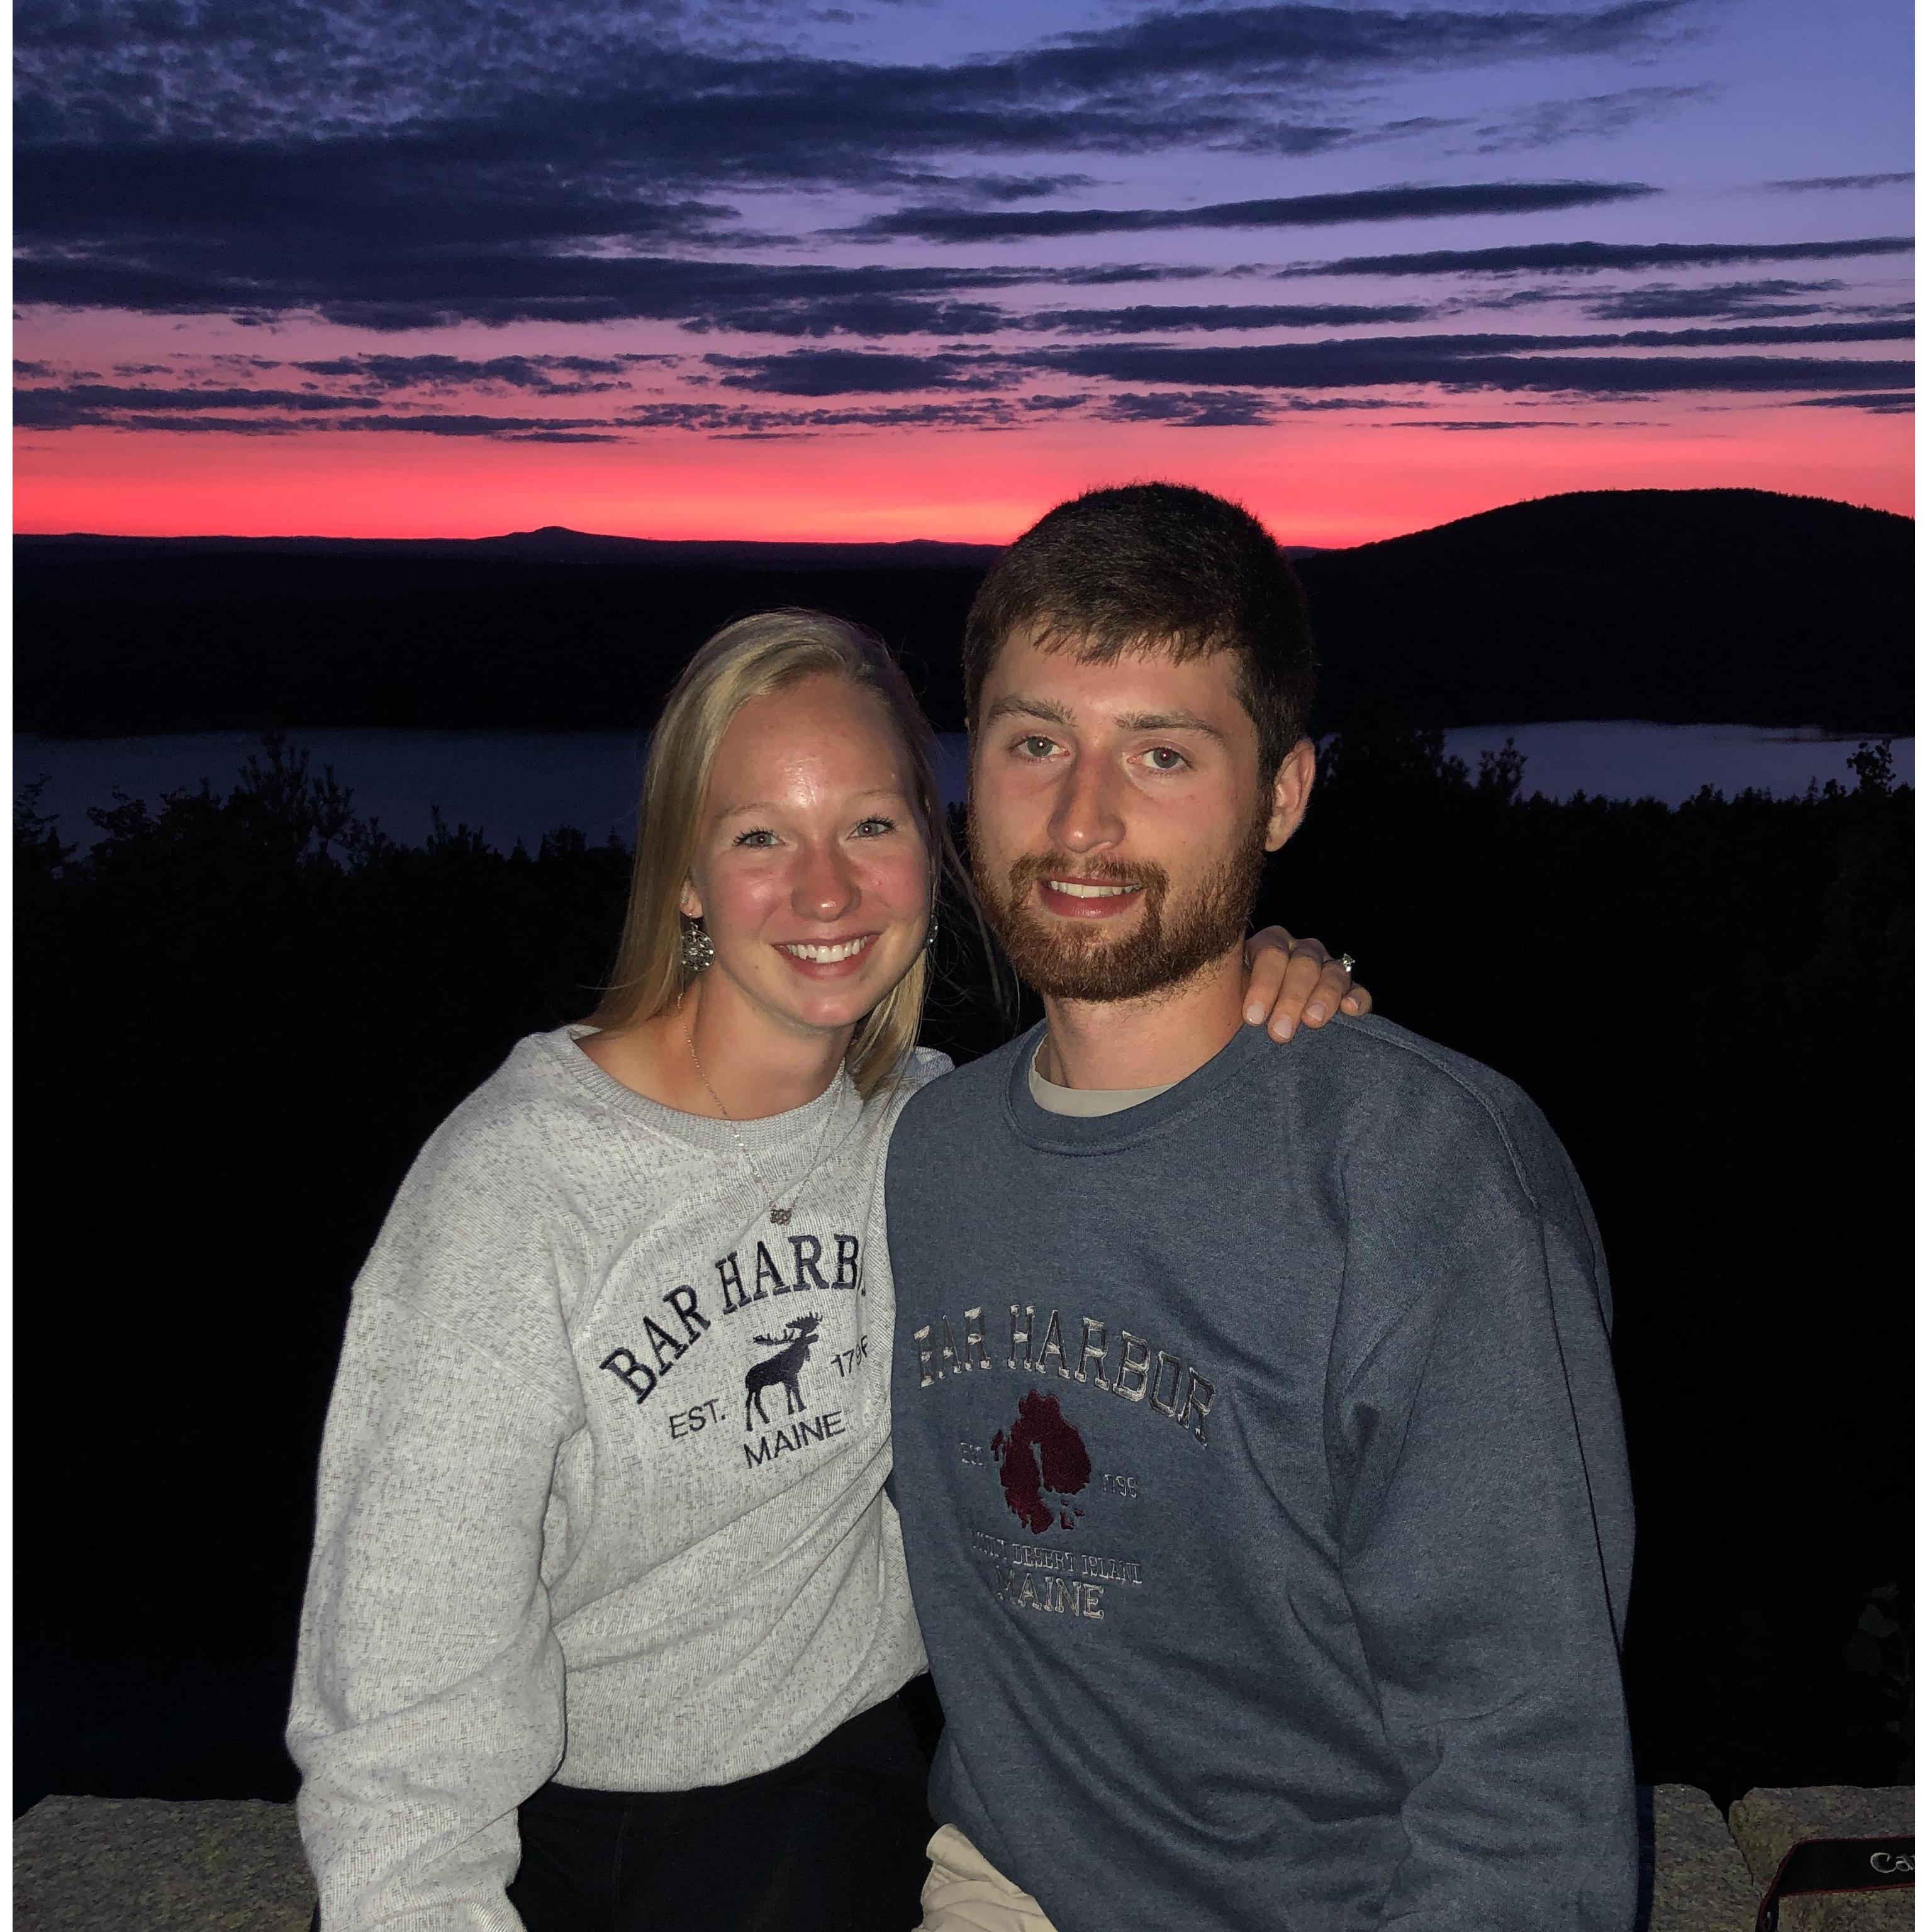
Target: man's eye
(1036,747)
(1164,758)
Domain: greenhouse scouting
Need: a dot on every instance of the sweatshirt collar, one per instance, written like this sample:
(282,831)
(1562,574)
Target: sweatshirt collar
(584,1076)
(1107,1133)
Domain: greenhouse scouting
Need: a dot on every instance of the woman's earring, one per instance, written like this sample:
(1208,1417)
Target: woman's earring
(698,951)
(931,931)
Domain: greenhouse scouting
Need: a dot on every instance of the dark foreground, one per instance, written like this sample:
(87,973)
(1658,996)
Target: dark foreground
(238,1020)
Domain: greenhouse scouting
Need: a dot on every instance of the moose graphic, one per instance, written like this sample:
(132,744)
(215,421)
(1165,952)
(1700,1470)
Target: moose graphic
(795,1344)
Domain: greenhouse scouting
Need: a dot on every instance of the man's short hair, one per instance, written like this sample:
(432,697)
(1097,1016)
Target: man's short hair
(1156,567)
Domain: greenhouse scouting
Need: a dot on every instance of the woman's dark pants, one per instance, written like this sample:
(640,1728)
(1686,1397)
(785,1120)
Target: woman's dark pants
(835,1842)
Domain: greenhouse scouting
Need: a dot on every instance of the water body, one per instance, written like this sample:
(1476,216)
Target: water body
(514,785)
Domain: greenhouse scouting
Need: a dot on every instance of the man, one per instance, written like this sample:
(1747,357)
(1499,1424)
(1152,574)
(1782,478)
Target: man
(1255,1436)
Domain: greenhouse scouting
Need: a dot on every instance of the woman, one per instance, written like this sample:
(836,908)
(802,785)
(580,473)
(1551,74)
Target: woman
(602,1548)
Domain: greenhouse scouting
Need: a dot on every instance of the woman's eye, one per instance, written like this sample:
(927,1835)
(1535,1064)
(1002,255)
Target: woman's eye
(757,838)
(875,828)
(1164,758)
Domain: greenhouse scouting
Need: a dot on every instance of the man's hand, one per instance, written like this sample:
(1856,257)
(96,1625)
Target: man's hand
(1293,983)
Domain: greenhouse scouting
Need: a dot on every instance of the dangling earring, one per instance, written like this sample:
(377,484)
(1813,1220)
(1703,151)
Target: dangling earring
(931,932)
(697,950)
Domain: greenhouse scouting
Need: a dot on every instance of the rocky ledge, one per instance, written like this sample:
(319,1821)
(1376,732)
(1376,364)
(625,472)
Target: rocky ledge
(147,1865)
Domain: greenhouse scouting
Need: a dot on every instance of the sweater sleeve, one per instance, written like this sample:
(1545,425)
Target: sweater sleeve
(428,1699)
(1484,1513)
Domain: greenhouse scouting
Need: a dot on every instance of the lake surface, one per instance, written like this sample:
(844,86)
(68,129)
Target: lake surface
(516,785)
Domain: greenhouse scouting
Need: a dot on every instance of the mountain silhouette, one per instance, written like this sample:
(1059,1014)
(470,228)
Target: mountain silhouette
(1685,606)
(554,543)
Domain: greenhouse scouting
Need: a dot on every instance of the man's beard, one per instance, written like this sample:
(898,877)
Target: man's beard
(1068,959)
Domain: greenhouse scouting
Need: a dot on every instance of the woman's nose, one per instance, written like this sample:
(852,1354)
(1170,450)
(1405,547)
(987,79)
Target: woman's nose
(825,887)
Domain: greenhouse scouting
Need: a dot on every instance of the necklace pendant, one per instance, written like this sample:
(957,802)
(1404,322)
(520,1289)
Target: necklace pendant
(780,1216)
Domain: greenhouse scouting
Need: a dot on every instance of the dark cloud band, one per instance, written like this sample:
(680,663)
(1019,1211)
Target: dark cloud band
(1841,181)
(1461,363)
(1304,211)
(1587,257)
(1152,318)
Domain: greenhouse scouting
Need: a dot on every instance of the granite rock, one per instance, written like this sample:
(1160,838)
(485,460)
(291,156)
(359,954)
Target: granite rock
(1692,1877)
(1767,1823)
(148,1865)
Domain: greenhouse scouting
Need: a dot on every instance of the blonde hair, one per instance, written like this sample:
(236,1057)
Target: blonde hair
(753,657)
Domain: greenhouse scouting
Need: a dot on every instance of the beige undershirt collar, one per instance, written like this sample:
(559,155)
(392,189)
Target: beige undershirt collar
(1087,1103)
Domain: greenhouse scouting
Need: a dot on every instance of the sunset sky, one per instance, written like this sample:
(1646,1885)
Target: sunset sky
(414,267)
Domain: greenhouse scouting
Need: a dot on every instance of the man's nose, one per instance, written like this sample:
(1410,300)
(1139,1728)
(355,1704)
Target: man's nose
(1086,815)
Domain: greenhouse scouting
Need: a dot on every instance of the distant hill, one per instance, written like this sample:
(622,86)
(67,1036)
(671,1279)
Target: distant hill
(556,544)
(1685,606)
(1735,606)
(552,543)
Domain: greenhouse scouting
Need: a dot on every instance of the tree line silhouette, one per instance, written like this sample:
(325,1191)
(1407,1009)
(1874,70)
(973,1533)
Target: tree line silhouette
(241,1012)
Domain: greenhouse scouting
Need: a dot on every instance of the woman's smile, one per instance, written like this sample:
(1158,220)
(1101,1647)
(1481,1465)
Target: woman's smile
(827,958)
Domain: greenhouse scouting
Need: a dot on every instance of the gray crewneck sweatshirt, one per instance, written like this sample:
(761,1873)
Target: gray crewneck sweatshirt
(600,1486)
(1263,1494)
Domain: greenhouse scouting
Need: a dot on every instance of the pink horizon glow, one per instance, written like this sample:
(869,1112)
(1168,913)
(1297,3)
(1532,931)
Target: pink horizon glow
(1319,480)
